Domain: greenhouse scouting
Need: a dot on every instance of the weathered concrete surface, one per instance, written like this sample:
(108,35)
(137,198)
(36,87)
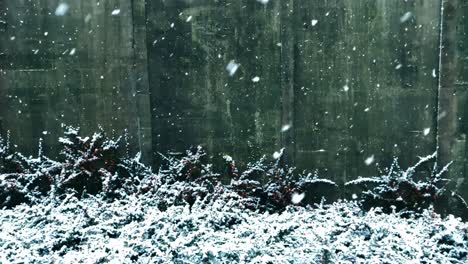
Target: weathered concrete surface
(453,83)
(385,65)
(355,79)
(194,100)
(303,69)
(86,68)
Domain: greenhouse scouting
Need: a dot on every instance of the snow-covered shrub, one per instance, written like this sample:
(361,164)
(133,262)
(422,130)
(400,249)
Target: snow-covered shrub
(409,190)
(12,191)
(273,186)
(88,161)
(315,190)
(90,165)
(11,161)
(191,167)
(24,179)
(131,173)
(230,169)
(98,164)
(184,180)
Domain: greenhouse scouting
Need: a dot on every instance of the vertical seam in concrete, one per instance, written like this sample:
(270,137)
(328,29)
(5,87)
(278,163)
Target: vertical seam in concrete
(134,61)
(439,77)
(287,73)
(146,144)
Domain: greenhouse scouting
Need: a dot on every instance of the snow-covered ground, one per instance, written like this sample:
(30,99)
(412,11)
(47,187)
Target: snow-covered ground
(92,230)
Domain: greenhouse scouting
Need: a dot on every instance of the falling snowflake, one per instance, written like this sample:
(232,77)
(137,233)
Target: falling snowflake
(62,9)
(189,19)
(345,88)
(88,18)
(255,79)
(297,197)
(115,12)
(72,52)
(263,1)
(426,131)
(286,128)
(314,22)
(232,67)
(277,154)
(318,150)
(405,17)
(369,160)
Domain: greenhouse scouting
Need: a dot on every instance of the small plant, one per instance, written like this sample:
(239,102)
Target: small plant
(99,164)
(12,191)
(408,190)
(88,161)
(11,161)
(24,179)
(274,186)
(185,179)
(191,167)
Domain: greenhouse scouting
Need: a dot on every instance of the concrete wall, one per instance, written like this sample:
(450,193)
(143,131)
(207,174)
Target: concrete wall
(357,83)
(102,82)
(303,69)
(452,121)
